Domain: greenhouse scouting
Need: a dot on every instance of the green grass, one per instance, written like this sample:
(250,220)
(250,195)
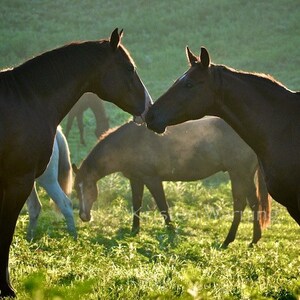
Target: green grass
(106,262)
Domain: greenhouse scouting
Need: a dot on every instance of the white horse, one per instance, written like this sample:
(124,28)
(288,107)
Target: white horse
(57,180)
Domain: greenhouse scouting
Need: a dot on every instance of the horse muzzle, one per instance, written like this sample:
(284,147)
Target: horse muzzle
(85,217)
(154,123)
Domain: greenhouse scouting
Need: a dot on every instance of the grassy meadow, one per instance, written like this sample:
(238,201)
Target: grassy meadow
(106,262)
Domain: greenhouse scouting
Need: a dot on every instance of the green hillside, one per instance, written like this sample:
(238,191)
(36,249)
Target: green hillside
(261,36)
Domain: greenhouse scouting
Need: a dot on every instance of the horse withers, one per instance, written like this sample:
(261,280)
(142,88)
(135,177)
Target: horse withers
(260,109)
(188,152)
(35,97)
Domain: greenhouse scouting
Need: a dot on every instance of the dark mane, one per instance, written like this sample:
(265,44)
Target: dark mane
(45,72)
(63,50)
(110,137)
(260,77)
(107,132)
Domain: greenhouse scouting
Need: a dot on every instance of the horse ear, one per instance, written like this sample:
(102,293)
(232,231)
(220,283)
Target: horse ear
(192,58)
(75,169)
(204,57)
(115,38)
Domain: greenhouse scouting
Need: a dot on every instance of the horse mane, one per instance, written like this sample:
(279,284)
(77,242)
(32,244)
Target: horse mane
(116,129)
(45,71)
(107,132)
(266,78)
(89,161)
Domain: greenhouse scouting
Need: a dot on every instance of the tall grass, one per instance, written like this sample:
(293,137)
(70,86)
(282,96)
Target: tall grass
(106,262)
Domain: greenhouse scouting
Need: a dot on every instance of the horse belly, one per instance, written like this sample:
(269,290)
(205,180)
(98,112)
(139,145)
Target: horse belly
(190,170)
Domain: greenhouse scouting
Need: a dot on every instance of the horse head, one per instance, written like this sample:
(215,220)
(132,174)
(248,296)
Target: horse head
(118,81)
(87,192)
(189,98)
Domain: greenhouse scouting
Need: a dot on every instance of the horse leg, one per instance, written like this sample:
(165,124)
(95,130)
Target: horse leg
(12,200)
(34,208)
(254,205)
(137,190)
(239,205)
(154,185)
(63,202)
(81,127)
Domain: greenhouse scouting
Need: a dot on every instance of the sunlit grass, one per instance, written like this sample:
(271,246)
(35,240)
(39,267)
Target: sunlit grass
(106,262)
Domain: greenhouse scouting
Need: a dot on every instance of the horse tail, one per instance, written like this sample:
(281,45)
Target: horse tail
(65,175)
(264,200)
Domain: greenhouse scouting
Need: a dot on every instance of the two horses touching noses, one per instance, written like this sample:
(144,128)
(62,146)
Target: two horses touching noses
(35,97)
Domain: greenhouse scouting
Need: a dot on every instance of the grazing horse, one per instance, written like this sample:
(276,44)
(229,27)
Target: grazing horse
(35,97)
(57,180)
(87,101)
(259,108)
(190,151)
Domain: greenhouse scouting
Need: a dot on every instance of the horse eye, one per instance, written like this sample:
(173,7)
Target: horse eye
(189,84)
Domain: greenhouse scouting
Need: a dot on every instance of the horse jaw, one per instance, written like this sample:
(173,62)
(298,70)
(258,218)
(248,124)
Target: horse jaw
(148,103)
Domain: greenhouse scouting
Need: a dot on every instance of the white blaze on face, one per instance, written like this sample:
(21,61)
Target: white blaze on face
(82,196)
(148,103)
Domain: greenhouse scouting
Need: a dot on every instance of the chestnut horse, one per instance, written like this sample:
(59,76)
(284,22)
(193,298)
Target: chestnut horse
(260,109)
(190,151)
(35,97)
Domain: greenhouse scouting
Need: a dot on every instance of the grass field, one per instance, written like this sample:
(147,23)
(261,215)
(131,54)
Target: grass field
(106,262)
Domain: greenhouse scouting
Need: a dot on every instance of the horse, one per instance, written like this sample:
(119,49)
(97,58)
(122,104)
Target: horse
(34,98)
(181,155)
(259,108)
(87,101)
(57,180)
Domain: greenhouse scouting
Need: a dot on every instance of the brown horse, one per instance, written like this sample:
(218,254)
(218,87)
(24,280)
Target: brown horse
(88,101)
(261,110)
(34,98)
(190,151)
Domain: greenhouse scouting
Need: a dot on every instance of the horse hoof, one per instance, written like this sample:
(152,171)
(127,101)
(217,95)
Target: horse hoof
(252,244)
(135,231)
(224,246)
(171,227)
(73,234)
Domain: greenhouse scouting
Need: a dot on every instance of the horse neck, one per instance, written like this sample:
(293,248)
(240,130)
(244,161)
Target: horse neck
(251,107)
(56,79)
(104,159)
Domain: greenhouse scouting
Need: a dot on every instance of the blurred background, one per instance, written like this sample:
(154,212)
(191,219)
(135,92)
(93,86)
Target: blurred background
(260,36)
